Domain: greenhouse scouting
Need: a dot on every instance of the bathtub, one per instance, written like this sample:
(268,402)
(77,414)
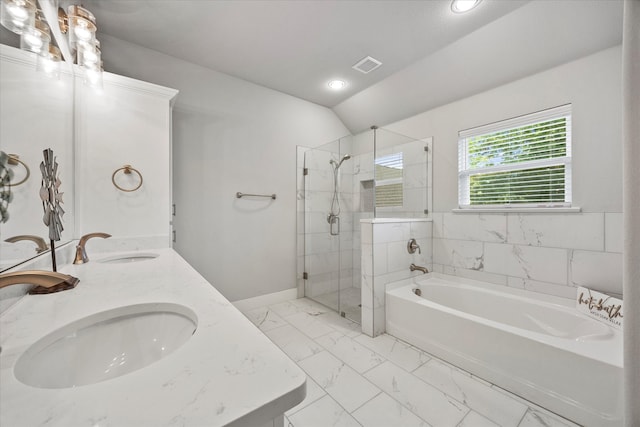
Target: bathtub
(534,345)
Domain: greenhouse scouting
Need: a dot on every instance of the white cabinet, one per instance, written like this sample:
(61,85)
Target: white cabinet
(126,123)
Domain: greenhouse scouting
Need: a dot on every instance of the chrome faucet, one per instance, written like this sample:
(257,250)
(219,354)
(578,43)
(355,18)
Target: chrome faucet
(42,245)
(46,281)
(414,267)
(81,252)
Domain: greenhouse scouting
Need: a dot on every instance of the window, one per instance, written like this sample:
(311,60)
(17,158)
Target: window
(388,173)
(521,162)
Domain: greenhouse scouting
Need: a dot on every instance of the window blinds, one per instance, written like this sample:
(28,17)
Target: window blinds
(388,175)
(524,161)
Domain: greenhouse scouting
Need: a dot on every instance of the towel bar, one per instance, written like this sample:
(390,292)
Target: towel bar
(240,195)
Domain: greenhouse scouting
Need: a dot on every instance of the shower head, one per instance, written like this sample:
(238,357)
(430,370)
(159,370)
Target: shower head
(337,164)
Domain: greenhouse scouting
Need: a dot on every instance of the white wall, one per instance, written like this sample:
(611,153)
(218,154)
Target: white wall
(228,136)
(126,123)
(551,253)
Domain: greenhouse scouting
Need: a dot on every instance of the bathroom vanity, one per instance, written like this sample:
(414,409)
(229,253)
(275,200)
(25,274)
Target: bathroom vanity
(226,373)
(143,339)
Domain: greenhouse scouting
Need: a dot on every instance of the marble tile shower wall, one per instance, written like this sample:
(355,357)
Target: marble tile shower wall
(362,206)
(328,259)
(548,253)
(385,259)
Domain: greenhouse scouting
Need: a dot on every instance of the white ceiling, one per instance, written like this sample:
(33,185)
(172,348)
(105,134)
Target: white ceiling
(295,47)
(538,36)
(430,56)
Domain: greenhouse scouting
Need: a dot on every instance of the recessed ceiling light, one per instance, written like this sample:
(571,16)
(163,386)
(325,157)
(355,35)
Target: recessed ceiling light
(337,84)
(462,6)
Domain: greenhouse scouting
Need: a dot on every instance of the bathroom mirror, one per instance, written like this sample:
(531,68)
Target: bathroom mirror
(36,112)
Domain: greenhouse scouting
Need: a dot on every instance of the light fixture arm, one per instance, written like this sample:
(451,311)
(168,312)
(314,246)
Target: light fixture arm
(50,12)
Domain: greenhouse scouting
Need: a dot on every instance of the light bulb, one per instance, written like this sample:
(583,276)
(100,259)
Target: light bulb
(89,57)
(17,15)
(17,11)
(49,62)
(337,84)
(93,77)
(33,40)
(18,23)
(82,31)
(36,39)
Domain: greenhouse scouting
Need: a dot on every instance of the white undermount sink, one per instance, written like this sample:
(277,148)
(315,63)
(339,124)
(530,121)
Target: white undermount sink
(106,345)
(134,257)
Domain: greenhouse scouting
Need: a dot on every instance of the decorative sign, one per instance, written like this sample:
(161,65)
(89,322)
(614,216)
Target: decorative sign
(600,306)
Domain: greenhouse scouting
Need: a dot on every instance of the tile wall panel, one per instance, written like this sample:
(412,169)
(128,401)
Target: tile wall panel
(547,253)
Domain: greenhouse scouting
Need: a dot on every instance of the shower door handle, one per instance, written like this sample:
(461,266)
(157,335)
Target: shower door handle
(334,225)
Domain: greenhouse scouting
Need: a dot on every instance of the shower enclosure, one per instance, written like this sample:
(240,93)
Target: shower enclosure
(374,174)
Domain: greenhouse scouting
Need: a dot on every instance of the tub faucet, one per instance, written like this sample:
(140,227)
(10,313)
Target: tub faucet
(414,267)
(46,281)
(81,252)
(39,241)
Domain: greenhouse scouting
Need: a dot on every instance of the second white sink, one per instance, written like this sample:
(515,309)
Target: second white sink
(106,345)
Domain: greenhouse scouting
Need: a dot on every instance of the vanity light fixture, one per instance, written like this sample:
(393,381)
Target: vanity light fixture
(462,6)
(25,18)
(80,25)
(337,84)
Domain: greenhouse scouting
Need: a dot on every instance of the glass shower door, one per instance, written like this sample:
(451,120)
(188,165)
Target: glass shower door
(322,248)
(328,238)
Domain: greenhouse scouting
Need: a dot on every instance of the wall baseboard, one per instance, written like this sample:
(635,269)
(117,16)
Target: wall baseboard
(245,305)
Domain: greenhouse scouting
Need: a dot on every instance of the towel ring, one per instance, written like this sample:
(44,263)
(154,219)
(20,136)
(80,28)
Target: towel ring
(127,170)
(14,159)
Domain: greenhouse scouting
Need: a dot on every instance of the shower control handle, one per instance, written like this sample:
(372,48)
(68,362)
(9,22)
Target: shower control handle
(412,245)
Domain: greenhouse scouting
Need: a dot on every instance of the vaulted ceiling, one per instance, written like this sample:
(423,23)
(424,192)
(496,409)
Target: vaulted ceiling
(430,56)
(295,47)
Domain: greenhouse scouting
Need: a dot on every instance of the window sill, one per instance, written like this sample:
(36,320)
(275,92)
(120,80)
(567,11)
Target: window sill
(517,210)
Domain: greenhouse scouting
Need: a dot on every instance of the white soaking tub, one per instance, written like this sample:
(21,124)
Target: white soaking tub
(534,345)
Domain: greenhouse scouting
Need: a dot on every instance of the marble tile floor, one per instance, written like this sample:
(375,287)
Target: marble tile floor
(355,380)
(349,299)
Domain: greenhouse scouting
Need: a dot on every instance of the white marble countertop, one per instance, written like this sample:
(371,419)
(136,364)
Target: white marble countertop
(228,372)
